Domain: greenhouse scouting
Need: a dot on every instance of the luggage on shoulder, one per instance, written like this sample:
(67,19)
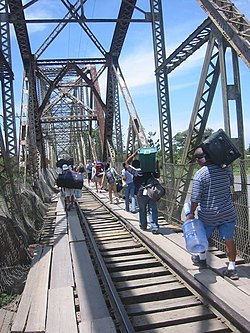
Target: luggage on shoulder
(147,157)
(220,148)
(70,180)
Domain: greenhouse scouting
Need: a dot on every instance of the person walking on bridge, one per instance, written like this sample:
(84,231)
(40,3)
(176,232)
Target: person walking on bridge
(69,193)
(211,198)
(144,201)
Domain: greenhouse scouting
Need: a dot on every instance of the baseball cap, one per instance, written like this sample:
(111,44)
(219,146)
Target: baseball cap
(65,167)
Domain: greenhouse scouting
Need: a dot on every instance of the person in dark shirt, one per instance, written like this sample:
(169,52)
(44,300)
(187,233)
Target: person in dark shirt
(140,180)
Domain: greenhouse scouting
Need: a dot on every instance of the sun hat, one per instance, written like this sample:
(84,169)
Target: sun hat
(65,167)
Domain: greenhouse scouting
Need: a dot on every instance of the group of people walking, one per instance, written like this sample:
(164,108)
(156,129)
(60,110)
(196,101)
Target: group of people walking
(67,180)
(211,200)
(133,179)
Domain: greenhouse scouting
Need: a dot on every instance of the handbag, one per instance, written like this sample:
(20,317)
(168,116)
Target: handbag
(118,185)
(154,189)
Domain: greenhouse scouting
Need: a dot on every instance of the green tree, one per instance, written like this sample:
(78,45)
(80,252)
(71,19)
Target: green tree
(179,142)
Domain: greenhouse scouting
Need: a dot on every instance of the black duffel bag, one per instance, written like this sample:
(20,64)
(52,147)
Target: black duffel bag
(70,180)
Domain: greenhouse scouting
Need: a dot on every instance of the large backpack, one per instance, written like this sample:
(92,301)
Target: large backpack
(99,168)
(110,176)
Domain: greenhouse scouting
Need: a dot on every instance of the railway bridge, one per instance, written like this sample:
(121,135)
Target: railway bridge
(77,107)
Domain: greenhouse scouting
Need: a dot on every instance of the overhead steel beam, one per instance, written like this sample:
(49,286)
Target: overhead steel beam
(234,26)
(198,38)
(124,19)
(18,19)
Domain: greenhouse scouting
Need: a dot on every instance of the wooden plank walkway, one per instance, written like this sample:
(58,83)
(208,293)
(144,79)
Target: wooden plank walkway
(235,294)
(71,273)
(58,273)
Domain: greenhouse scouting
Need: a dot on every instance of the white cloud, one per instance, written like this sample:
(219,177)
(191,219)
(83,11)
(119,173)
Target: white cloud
(138,67)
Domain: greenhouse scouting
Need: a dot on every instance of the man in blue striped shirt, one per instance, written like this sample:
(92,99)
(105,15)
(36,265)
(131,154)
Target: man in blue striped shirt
(211,196)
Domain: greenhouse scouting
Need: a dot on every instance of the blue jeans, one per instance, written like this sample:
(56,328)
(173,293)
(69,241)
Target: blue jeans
(144,203)
(129,190)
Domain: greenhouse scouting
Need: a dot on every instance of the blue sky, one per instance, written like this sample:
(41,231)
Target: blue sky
(181,18)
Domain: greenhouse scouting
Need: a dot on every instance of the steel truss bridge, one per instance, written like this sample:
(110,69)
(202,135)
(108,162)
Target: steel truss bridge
(63,113)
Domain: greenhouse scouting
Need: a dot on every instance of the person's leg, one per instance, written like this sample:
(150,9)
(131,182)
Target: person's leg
(226,232)
(72,198)
(67,192)
(200,259)
(114,188)
(153,211)
(110,192)
(142,202)
(126,192)
(99,184)
(96,183)
(132,193)
(231,249)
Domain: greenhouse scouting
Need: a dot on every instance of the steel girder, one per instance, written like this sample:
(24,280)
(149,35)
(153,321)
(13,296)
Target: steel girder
(7,84)
(233,25)
(162,84)
(35,141)
(198,38)
(205,93)
(124,17)
(214,66)
(138,129)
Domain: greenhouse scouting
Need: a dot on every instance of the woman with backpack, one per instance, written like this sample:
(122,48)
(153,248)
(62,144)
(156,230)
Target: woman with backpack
(111,175)
(99,176)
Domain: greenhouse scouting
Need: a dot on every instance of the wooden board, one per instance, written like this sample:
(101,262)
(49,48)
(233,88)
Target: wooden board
(61,311)
(103,325)
(61,267)
(211,325)
(61,225)
(24,305)
(6,317)
(60,204)
(226,291)
(37,314)
(75,229)
(91,300)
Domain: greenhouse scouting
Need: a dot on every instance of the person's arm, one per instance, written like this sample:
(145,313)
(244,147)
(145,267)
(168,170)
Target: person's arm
(157,172)
(124,175)
(130,158)
(116,173)
(103,178)
(193,207)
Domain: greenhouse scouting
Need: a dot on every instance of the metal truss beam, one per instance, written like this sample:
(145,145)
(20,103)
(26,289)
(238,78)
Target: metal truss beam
(198,38)
(162,83)
(124,18)
(233,25)
(7,85)
(205,93)
(62,119)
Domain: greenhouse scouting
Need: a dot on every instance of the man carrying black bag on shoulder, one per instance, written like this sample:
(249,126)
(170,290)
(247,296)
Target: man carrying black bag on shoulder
(69,193)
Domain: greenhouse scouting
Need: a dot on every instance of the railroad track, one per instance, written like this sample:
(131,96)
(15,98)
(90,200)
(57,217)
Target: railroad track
(147,291)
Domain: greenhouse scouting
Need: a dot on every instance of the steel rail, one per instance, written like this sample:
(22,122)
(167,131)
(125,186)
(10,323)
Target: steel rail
(114,297)
(230,314)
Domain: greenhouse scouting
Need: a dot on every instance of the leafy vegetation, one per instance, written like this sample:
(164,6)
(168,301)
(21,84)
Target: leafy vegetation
(179,142)
(5,299)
